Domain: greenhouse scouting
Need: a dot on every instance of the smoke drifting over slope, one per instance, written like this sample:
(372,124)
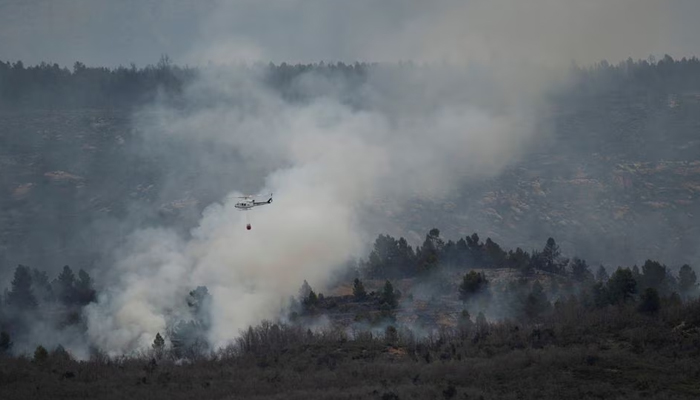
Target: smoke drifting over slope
(327,160)
(330,157)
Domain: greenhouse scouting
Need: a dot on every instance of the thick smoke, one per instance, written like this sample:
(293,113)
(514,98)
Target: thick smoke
(327,160)
(331,159)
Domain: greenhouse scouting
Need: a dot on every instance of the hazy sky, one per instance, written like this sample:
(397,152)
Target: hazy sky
(107,32)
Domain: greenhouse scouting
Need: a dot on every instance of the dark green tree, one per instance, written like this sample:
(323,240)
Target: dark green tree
(687,280)
(450,256)
(41,286)
(602,275)
(635,273)
(465,324)
(311,300)
(550,257)
(580,270)
(482,325)
(390,258)
(358,290)
(621,286)
(536,302)
(375,265)
(188,339)
(304,291)
(84,293)
(429,256)
(21,294)
(406,259)
(474,248)
(472,284)
(391,335)
(649,301)
(64,286)
(60,353)
(389,296)
(494,256)
(158,345)
(5,343)
(462,251)
(654,276)
(601,297)
(199,301)
(40,354)
(520,260)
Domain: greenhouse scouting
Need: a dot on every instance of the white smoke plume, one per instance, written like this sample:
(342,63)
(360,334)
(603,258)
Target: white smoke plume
(418,133)
(328,161)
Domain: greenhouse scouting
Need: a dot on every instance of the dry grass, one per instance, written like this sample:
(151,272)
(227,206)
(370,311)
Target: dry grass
(609,353)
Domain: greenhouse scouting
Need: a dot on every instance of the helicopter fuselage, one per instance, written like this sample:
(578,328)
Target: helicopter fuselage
(249,204)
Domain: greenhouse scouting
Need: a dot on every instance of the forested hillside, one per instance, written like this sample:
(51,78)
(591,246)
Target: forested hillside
(356,200)
(410,323)
(614,176)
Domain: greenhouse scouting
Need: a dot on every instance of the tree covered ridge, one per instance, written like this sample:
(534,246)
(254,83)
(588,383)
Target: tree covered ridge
(50,85)
(596,320)
(392,258)
(436,263)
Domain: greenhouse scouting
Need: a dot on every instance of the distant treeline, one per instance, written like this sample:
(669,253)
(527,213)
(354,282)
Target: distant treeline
(49,85)
(57,305)
(630,77)
(393,258)
(457,270)
(53,86)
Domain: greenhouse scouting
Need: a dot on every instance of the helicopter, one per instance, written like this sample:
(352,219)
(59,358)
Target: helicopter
(248,203)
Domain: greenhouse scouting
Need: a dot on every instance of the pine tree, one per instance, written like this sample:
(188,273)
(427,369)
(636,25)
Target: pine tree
(650,301)
(406,258)
(188,339)
(580,271)
(430,252)
(311,299)
(473,283)
(389,297)
(199,301)
(84,293)
(482,325)
(391,335)
(602,274)
(494,256)
(536,302)
(550,258)
(158,345)
(41,286)
(65,286)
(654,276)
(304,291)
(358,290)
(475,249)
(551,250)
(687,280)
(464,323)
(21,294)
(40,354)
(635,272)
(621,286)
(5,343)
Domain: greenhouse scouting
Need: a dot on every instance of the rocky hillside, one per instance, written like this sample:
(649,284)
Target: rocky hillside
(614,175)
(617,184)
